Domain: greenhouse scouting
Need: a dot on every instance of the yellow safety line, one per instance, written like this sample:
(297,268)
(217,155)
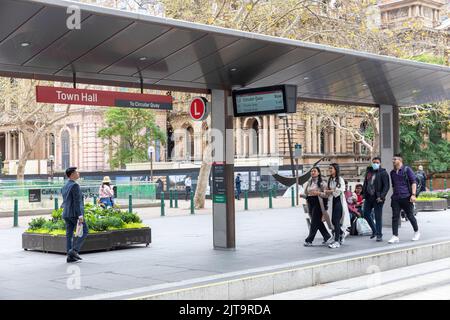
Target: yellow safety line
(284,271)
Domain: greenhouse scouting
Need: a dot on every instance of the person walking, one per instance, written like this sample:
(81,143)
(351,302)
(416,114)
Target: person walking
(404,195)
(422,176)
(375,189)
(340,216)
(188,187)
(106,193)
(316,200)
(73,213)
(238,186)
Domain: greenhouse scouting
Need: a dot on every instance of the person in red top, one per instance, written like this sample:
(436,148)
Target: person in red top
(359,197)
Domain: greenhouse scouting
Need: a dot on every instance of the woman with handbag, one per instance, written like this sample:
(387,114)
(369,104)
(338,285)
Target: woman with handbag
(106,193)
(317,203)
(337,206)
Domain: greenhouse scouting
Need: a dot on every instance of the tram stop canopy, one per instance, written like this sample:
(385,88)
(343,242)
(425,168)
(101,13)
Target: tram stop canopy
(114,47)
(118,48)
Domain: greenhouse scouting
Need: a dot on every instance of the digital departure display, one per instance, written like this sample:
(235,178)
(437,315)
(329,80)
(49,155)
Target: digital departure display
(266,100)
(260,101)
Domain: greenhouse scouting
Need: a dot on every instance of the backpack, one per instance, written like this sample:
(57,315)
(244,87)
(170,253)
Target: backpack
(418,181)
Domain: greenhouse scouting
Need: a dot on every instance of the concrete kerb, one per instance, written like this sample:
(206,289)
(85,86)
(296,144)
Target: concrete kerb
(268,283)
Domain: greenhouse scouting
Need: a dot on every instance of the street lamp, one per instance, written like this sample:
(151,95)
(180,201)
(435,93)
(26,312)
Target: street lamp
(150,151)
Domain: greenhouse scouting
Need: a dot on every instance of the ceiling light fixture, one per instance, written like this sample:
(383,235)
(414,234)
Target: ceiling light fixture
(25,44)
(143,58)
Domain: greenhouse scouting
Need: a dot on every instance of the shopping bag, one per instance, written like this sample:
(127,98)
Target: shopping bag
(363,228)
(79,230)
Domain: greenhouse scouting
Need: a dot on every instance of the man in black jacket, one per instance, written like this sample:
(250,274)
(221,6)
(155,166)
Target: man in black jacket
(375,189)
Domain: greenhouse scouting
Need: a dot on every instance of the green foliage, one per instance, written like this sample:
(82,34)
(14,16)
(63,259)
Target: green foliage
(57,214)
(36,223)
(429,58)
(421,137)
(131,131)
(97,219)
(421,198)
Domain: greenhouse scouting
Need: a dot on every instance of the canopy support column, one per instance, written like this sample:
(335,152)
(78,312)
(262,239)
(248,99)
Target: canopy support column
(222,123)
(389,145)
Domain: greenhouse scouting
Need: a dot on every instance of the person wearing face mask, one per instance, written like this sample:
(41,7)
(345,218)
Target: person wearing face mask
(375,189)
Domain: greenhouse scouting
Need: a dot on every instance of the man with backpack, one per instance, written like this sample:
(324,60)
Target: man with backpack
(375,189)
(422,176)
(404,184)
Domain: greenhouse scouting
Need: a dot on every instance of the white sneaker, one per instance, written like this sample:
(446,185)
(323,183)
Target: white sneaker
(416,236)
(394,239)
(334,245)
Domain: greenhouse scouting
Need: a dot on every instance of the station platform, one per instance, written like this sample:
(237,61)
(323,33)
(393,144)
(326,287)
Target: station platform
(181,263)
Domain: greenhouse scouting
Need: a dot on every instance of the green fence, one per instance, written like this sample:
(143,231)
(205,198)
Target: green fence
(142,191)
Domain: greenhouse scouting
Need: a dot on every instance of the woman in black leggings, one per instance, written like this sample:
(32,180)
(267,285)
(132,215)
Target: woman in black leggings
(339,211)
(317,205)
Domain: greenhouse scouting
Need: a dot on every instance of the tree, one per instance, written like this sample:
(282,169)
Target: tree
(31,119)
(130,132)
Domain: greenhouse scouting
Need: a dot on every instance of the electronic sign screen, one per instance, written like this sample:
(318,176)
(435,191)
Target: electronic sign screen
(266,100)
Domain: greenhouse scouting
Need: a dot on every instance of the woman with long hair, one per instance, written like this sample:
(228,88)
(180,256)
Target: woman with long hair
(316,200)
(337,206)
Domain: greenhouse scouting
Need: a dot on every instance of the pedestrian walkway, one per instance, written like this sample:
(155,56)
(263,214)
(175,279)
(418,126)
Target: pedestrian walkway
(181,253)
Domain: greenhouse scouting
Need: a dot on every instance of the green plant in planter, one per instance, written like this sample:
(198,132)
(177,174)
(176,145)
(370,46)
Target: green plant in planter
(57,214)
(37,223)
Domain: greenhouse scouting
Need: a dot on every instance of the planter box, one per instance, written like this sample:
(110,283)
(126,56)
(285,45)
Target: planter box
(432,205)
(107,240)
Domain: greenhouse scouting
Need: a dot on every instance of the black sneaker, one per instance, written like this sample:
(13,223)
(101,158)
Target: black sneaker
(75,255)
(379,239)
(71,259)
(307,244)
(373,236)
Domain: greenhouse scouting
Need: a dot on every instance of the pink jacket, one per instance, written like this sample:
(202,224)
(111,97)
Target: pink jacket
(106,191)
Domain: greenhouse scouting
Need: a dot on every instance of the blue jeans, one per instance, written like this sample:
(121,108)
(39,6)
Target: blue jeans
(369,204)
(107,202)
(71,225)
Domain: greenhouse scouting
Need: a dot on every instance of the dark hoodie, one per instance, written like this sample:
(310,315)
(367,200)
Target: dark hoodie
(381,183)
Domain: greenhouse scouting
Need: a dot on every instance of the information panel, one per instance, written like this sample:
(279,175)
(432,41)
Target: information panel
(218,175)
(260,102)
(266,100)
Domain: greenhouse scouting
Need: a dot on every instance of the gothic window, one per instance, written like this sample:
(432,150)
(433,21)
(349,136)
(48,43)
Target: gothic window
(65,149)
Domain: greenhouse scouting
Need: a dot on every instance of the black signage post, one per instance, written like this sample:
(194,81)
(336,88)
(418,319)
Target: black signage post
(34,195)
(219,187)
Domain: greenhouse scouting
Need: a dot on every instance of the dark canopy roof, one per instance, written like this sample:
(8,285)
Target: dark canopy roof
(115,47)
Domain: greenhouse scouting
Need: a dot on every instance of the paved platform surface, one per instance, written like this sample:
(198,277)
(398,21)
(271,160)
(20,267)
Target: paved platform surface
(182,251)
(424,281)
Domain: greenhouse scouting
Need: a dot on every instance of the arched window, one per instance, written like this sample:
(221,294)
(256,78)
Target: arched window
(255,129)
(322,141)
(190,143)
(65,149)
(51,145)
(170,143)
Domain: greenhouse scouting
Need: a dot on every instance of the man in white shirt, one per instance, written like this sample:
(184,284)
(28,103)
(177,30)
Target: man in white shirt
(188,186)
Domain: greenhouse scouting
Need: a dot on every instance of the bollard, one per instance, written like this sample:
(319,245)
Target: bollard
(245,200)
(176,198)
(431,184)
(292,197)
(445,184)
(261,192)
(56,204)
(162,205)
(130,203)
(171,198)
(16,213)
(192,203)
(270,199)
(94,200)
